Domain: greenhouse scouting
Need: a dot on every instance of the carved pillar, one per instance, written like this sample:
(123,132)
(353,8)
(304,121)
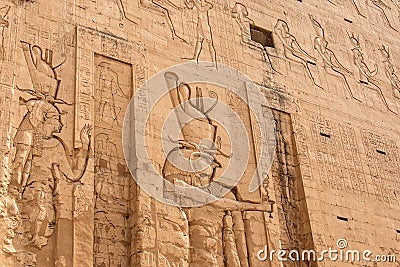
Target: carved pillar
(84,115)
(108,71)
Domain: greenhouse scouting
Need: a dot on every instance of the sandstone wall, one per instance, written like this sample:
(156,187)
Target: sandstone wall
(69,68)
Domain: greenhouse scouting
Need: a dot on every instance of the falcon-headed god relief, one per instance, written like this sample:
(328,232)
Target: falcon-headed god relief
(193,164)
(196,133)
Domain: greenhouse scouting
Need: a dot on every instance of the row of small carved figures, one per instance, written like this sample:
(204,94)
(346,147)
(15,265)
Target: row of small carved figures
(293,51)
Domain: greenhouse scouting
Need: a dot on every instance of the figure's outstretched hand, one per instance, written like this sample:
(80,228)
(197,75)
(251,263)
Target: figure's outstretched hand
(86,134)
(266,206)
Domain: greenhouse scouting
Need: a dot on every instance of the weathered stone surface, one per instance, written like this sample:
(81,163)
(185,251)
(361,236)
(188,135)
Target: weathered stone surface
(328,70)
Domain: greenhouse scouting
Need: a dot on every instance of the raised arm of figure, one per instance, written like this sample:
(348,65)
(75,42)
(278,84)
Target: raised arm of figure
(75,166)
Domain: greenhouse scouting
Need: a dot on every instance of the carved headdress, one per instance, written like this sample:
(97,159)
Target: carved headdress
(42,72)
(196,126)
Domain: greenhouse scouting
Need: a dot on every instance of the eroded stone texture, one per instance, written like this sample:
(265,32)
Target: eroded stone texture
(112,179)
(329,71)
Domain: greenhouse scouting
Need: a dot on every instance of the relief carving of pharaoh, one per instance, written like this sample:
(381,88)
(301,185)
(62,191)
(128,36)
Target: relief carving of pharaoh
(42,158)
(193,164)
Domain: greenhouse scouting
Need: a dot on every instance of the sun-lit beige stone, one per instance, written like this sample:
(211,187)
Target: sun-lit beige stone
(328,70)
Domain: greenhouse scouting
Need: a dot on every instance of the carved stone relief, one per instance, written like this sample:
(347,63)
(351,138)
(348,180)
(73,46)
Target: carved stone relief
(217,230)
(366,75)
(104,92)
(109,89)
(241,15)
(382,156)
(292,49)
(381,7)
(336,147)
(42,159)
(330,62)
(112,181)
(161,7)
(3,24)
(90,42)
(84,197)
(203,28)
(390,71)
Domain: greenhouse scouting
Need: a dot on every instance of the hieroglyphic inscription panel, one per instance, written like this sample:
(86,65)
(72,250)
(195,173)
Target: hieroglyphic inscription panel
(337,155)
(355,160)
(113,86)
(382,156)
(89,42)
(109,69)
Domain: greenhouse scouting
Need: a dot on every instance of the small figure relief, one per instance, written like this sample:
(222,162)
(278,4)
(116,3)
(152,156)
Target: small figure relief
(390,71)
(41,157)
(203,28)
(220,223)
(366,75)
(292,49)
(26,259)
(159,7)
(3,24)
(330,61)
(9,217)
(381,7)
(240,13)
(82,202)
(108,90)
